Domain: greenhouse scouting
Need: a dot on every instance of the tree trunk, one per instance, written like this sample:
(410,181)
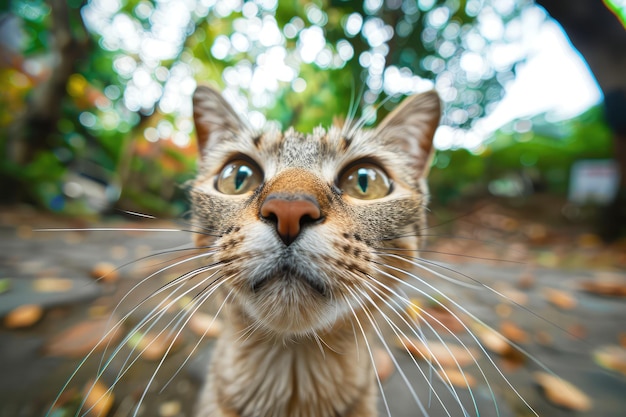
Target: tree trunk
(600,38)
(31,133)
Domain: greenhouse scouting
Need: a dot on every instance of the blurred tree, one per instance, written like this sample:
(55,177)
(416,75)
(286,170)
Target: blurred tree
(109,81)
(599,34)
(67,43)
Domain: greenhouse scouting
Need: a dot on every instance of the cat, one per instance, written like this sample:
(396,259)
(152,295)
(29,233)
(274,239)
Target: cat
(308,238)
(305,246)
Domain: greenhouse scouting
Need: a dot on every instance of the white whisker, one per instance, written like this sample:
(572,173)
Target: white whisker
(470,333)
(369,350)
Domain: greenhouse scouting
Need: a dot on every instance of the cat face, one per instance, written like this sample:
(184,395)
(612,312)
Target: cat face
(296,221)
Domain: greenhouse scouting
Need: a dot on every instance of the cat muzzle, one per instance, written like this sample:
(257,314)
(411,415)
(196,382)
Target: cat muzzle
(289,212)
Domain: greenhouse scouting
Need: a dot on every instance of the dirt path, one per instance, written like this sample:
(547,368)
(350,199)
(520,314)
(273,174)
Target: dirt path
(559,330)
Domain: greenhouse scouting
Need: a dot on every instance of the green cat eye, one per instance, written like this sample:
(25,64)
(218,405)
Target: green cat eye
(238,177)
(365,182)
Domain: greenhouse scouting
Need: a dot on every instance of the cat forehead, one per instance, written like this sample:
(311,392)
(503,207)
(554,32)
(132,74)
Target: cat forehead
(294,149)
(324,152)
(279,150)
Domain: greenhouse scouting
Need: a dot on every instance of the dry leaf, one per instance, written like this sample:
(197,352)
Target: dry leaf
(611,357)
(98,400)
(605,287)
(79,340)
(384,364)
(23,316)
(205,325)
(503,310)
(446,355)
(457,378)
(509,294)
(493,341)
(526,281)
(153,345)
(437,316)
(105,271)
(562,393)
(52,285)
(559,298)
(513,332)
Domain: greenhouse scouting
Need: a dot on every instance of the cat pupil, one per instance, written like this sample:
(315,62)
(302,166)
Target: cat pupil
(243,173)
(362,179)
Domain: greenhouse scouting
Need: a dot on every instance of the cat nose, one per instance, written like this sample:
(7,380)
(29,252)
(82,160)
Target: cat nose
(290,212)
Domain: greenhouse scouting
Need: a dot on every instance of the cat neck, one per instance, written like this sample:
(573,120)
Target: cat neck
(255,372)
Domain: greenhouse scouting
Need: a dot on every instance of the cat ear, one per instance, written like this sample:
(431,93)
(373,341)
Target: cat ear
(214,118)
(410,128)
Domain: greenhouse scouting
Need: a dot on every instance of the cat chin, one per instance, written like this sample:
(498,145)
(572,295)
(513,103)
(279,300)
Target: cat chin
(290,309)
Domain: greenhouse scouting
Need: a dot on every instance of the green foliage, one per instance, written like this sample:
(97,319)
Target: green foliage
(543,155)
(124,117)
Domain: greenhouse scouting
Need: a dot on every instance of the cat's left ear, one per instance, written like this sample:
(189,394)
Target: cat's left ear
(411,126)
(213,117)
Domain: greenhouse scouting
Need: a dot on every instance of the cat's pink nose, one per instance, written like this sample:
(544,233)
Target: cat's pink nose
(290,212)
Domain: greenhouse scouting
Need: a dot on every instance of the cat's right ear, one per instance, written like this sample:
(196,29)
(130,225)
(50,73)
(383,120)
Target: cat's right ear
(213,117)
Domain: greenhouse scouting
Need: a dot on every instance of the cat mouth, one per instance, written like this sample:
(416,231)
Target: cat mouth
(285,274)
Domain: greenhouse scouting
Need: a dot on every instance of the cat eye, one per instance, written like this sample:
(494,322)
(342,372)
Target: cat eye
(365,182)
(238,177)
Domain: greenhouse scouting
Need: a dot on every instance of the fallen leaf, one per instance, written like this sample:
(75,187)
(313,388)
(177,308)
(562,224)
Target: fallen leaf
(153,345)
(205,325)
(52,285)
(443,354)
(492,340)
(510,294)
(79,340)
(105,271)
(384,364)
(23,316)
(98,399)
(606,288)
(503,310)
(562,393)
(513,332)
(457,377)
(526,281)
(436,315)
(559,298)
(611,357)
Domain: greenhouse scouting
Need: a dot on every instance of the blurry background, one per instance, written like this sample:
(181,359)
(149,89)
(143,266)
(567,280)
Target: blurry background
(95,118)
(96,110)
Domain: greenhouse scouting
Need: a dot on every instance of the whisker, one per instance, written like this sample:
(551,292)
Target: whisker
(376,328)
(487,287)
(169,348)
(369,350)
(202,336)
(136,214)
(422,337)
(469,332)
(456,255)
(149,317)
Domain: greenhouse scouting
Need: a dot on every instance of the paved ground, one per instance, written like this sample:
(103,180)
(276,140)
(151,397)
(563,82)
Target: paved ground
(33,370)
